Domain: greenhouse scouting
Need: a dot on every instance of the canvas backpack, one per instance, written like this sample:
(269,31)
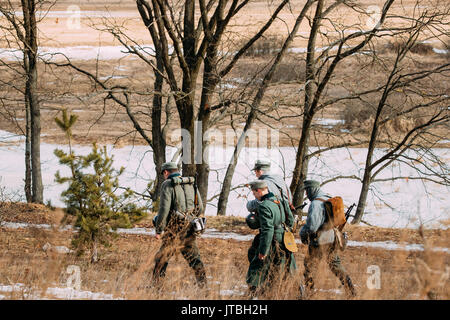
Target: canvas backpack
(196,222)
(334,208)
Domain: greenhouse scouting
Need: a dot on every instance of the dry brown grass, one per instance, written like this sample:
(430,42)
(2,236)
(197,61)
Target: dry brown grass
(418,48)
(124,269)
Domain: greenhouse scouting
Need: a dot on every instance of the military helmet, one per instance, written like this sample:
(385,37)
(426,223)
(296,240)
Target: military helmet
(257,184)
(169,166)
(261,164)
(310,184)
(252,221)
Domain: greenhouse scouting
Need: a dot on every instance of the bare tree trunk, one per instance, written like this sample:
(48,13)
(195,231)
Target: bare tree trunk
(94,253)
(30,56)
(158,142)
(225,192)
(362,198)
(27,152)
(301,162)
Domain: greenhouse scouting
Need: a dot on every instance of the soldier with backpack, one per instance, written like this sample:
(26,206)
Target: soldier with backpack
(320,235)
(177,223)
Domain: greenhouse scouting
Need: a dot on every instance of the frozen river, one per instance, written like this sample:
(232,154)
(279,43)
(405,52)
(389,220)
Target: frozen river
(394,203)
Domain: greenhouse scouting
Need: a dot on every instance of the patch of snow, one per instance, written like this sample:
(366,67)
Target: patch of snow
(137,231)
(21,225)
(72,294)
(214,234)
(328,122)
(59,249)
(13,288)
(112,77)
(6,136)
(335,291)
(60,293)
(390,245)
(81,14)
(227,86)
(440,51)
(231,292)
(77,53)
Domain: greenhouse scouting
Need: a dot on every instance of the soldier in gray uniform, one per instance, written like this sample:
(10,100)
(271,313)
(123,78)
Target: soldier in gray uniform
(275,183)
(177,196)
(321,243)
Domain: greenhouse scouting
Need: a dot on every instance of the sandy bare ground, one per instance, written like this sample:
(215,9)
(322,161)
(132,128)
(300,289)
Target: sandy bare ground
(59,27)
(105,122)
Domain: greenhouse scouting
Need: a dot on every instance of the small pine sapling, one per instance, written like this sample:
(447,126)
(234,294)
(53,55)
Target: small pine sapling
(92,197)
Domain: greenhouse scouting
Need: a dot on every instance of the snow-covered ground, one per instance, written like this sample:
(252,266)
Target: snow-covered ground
(402,203)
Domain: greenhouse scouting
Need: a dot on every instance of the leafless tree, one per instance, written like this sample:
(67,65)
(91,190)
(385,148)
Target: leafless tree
(254,108)
(319,71)
(20,34)
(186,37)
(416,97)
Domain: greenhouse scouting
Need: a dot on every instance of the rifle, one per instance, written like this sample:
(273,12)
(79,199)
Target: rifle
(347,215)
(300,207)
(297,217)
(195,191)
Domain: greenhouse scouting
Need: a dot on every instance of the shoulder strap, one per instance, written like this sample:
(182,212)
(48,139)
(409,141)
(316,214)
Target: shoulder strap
(277,201)
(327,214)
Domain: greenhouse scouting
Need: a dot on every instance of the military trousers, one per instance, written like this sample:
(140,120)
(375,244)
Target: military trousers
(262,274)
(184,242)
(328,252)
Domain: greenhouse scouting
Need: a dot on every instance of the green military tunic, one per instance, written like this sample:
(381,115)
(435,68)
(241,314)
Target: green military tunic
(176,196)
(269,242)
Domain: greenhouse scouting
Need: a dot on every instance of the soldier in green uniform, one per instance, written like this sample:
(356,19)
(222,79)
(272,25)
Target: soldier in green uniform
(321,243)
(177,195)
(278,187)
(272,261)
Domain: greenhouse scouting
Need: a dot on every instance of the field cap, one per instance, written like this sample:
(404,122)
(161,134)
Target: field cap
(258,184)
(169,166)
(310,184)
(261,164)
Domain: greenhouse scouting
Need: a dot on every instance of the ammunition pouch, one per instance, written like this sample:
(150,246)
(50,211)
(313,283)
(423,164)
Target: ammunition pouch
(198,225)
(195,225)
